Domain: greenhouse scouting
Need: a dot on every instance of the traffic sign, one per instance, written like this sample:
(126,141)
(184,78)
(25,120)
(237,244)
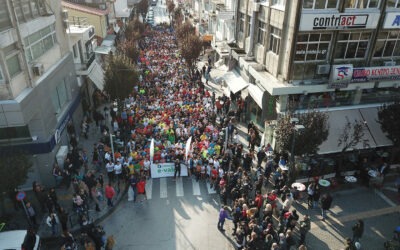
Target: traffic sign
(20,196)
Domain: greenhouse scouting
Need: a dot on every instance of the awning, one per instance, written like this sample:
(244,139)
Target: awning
(256,93)
(370,115)
(336,122)
(234,81)
(96,75)
(207,38)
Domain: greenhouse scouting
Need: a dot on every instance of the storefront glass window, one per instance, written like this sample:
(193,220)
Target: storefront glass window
(388,44)
(312,47)
(352,45)
(320,4)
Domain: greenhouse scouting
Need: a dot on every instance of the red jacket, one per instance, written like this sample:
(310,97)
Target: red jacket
(109,192)
(140,186)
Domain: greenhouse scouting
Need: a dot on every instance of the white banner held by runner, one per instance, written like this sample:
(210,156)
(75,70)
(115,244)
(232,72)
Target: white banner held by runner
(189,141)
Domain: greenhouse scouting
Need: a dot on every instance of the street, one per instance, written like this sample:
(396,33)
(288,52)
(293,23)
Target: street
(160,13)
(183,215)
(186,218)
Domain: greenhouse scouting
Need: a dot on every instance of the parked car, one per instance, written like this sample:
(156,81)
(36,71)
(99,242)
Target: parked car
(15,239)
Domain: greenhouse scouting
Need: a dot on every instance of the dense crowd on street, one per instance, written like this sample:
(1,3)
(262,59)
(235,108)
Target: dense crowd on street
(170,104)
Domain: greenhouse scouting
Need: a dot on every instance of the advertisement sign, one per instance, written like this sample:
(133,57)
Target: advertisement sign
(338,21)
(340,76)
(159,170)
(392,20)
(376,73)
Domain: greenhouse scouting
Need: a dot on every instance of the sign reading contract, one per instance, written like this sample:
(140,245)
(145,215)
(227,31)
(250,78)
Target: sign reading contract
(338,21)
(160,170)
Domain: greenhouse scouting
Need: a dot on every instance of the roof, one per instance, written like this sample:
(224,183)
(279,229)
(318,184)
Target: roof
(84,8)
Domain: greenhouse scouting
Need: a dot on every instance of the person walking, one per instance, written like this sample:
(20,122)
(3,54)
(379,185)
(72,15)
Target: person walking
(305,226)
(177,165)
(31,213)
(358,230)
(52,221)
(109,193)
(141,187)
(223,214)
(326,202)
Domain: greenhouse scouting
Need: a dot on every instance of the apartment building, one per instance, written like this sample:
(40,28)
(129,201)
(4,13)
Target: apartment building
(39,92)
(338,56)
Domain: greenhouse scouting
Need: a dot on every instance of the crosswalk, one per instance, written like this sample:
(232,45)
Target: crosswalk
(182,186)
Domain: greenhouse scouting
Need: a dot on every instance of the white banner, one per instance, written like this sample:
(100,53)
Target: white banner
(159,170)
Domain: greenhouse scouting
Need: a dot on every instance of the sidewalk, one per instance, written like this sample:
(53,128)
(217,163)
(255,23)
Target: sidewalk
(18,220)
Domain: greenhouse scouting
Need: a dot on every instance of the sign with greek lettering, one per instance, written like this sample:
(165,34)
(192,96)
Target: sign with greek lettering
(392,20)
(376,73)
(338,21)
(159,170)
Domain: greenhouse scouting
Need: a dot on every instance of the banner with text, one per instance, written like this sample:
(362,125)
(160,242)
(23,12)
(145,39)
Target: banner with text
(376,73)
(159,170)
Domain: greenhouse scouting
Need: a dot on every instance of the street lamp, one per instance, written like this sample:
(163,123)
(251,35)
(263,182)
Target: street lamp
(296,128)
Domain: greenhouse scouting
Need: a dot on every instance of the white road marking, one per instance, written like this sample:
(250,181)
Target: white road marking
(149,188)
(209,189)
(179,187)
(196,187)
(163,188)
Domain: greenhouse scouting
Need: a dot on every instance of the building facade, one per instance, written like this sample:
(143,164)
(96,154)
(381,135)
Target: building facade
(325,54)
(39,92)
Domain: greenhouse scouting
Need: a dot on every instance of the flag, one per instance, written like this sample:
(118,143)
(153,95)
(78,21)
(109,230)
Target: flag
(189,141)
(151,150)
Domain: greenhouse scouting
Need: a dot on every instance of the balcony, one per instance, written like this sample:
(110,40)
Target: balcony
(83,68)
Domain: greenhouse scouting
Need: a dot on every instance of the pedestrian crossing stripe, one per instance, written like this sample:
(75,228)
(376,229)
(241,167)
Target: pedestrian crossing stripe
(182,186)
(163,187)
(179,187)
(196,187)
(209,189)
(149,188)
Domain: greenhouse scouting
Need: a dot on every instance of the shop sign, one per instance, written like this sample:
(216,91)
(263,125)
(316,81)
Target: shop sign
(312,21)
(340,76)
(392,20)
(376,73)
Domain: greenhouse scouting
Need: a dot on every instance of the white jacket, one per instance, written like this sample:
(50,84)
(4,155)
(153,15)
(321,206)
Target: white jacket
(48,220)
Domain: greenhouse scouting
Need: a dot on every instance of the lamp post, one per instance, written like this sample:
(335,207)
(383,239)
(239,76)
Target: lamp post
(296,128)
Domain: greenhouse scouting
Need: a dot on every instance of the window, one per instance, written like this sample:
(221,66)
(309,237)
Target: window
(261,32)
(1,76)
(75,51)
(352,45)
(40,42)
(361,4)
(59,97)
(393,3)
(5,21)
(312,47)
(248,25)
(278,2)
(388,44)
(241,22)
(14,133)
(28,9)
(12,60)
(320,4)
(275,39)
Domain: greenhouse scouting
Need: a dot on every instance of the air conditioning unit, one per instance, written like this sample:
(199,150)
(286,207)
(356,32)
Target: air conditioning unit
(323,69)
(38,69)
(389,63)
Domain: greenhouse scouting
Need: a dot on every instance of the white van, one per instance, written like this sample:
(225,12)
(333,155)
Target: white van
(11,240)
